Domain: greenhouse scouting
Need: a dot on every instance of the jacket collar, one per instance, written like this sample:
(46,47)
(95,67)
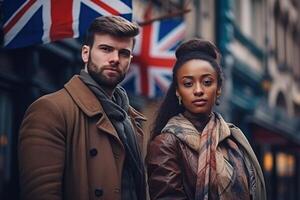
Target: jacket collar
(180,126)
(241,138)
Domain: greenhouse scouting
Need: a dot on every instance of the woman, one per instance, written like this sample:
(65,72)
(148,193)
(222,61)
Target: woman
(194,153)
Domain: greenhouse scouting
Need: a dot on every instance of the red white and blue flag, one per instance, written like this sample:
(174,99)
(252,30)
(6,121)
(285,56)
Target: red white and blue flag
(150,72)
(28,22)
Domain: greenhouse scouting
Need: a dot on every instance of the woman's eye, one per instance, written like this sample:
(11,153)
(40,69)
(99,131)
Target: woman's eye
(188,84)
(207,82)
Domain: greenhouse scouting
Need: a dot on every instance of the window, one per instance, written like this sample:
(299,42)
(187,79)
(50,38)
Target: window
(289,48)
(250,18)
(236,7)
(258,29)
(5,136)
(242,12)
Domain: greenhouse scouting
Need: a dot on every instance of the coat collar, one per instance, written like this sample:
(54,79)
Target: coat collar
(83,97)
(88,102)
(90,105)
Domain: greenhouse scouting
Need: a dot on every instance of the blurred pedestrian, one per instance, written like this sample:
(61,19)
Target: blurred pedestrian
(194,153)
(84,141)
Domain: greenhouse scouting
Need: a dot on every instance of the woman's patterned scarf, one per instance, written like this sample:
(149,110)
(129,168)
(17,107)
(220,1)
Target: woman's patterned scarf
(221,172)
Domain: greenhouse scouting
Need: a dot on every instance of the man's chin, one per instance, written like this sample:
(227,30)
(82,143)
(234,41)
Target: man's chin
(112,81)
(109,83)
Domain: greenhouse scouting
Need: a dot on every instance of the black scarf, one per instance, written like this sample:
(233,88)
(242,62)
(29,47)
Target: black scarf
(133,175)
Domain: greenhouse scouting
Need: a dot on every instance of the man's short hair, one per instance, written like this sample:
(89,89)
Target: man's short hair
(113,25)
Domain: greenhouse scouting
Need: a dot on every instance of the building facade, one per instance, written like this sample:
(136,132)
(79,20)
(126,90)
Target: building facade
(259,40)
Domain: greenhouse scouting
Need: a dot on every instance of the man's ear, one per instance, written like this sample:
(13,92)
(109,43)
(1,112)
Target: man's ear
(85,52)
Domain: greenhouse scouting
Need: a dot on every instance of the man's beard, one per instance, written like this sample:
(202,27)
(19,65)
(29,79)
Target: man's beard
(98,76)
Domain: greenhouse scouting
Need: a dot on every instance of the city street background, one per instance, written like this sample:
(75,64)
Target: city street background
(260,45)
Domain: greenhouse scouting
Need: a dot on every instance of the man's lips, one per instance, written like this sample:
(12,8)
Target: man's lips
(111,70)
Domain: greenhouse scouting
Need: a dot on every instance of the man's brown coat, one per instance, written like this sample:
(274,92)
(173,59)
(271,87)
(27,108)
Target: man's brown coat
(68,148)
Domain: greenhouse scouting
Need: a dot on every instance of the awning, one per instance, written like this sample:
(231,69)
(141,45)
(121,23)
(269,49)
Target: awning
(274,127)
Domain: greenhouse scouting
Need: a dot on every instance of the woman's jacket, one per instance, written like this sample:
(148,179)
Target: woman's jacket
(172,166)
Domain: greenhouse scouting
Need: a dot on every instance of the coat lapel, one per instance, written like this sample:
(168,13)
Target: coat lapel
(105,125)
(90,105)
(240,137)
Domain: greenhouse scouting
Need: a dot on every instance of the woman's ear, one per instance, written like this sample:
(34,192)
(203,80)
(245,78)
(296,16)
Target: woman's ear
(177,93)
(179,98)
(85,52)
(219,91)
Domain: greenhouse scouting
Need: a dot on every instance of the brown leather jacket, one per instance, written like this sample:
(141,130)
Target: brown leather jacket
(172,167)
(166,178)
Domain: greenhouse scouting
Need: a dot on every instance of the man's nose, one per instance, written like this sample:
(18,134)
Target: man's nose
(114,57)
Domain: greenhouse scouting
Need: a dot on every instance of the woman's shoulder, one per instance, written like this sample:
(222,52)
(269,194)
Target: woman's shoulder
(163,147)
(238,136)
(232,126)
(236,132)
(164,139)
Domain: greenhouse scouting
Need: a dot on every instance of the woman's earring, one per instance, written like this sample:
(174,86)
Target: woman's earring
(217,101)
(179,100)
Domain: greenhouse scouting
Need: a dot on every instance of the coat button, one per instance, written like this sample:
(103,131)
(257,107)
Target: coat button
(93,152)
(98,192)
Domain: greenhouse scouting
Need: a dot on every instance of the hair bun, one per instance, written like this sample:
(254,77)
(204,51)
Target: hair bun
(198,45)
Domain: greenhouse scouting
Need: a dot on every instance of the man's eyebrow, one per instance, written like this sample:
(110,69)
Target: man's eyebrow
(105,45)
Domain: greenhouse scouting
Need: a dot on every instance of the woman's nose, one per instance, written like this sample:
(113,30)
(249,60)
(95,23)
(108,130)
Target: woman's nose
(198,91)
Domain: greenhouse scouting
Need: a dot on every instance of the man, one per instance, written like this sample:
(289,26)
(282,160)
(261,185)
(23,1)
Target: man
(84,141)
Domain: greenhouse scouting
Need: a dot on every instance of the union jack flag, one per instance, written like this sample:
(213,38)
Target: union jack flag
(150,73)
(40,21)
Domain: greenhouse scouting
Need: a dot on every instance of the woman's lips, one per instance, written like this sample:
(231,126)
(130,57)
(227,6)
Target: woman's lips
(199,102)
